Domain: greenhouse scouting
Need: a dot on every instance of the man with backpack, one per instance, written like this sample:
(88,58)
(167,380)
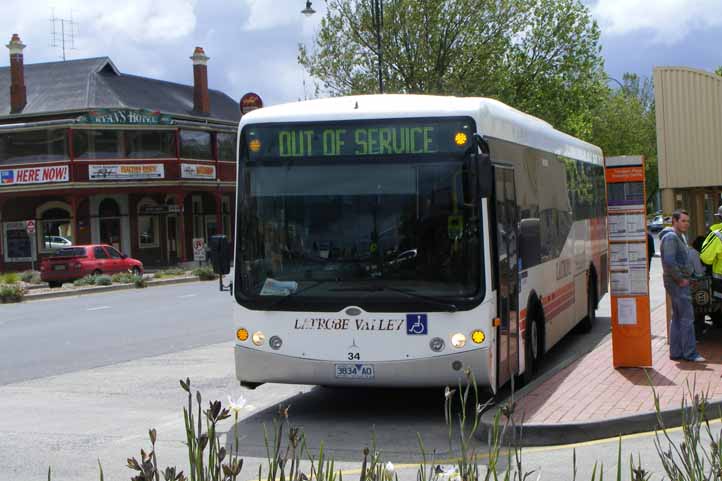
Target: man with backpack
(678,270)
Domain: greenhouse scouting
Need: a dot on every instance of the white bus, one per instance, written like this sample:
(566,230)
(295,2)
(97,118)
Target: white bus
(395,240)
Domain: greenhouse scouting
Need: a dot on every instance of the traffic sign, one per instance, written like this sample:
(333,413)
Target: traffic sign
(250,101)
(30,226)
(199,249)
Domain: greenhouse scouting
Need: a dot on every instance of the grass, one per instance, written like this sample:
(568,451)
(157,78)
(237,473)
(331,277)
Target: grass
(31,277)
(172,272)
(10,293)
(10,278)
(205,273)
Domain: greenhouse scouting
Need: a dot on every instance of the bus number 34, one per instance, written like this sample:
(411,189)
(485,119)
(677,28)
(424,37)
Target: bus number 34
(354,356)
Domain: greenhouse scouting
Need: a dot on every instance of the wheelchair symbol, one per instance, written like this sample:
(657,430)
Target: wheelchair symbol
(416,324)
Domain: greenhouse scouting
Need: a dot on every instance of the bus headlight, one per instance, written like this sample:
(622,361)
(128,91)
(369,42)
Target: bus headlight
(436,344)
(275,342)
(258,338)
(458,340)
(478,336)
(242,334)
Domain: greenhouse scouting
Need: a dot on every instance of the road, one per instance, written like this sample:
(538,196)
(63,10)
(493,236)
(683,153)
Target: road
(55,336)
(100,406)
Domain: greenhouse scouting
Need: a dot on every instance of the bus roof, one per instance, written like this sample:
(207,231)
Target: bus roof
(493,118)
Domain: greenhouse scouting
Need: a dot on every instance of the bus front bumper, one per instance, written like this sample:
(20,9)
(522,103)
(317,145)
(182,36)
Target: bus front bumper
(254,366)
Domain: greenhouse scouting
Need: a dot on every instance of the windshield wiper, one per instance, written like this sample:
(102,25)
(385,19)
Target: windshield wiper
(446,305)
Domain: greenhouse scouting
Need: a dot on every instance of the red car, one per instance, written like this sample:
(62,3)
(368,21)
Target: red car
(75,262)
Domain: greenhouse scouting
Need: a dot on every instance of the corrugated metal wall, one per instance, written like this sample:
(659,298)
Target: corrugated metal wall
(689,127)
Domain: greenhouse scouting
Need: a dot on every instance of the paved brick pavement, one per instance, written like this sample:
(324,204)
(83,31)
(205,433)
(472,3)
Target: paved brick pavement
(590,389)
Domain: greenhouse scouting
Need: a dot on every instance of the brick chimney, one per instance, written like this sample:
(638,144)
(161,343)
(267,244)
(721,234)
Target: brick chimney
(201,100)
(18,95)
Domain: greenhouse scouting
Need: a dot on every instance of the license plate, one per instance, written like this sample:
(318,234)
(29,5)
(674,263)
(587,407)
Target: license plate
(60,267)
(355,371)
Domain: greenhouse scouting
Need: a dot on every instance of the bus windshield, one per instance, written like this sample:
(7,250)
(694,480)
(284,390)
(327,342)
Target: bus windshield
(378,232)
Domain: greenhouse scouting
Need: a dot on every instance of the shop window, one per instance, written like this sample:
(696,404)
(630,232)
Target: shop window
(147,231)
(19,246)
(195,144)
(98,144)
(56,230)
(226,146)
(148,226)
(33,146)
(148,144)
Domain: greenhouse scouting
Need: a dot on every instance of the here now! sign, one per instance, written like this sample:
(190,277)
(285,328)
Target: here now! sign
(34,175)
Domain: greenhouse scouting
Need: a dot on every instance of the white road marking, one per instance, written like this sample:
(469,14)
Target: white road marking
(99,308)
(187,296)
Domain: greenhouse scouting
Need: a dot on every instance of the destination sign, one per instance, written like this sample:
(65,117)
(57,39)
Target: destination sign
(408,137)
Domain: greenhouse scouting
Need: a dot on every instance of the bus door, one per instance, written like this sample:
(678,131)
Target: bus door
(506,241)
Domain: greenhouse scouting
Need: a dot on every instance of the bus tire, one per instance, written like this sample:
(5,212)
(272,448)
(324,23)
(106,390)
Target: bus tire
(586,324)
(533,340)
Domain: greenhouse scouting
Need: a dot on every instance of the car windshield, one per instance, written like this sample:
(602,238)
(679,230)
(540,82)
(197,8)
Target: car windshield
(71,252)
(360,232)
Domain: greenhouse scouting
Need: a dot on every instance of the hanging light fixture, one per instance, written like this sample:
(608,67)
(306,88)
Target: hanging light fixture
(308,11)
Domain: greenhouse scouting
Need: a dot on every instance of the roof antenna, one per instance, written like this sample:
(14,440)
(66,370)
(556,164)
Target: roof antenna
(62,35)
(356,106)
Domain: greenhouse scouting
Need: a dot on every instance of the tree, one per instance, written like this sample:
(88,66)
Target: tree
(541,56)
(625,124)
(719,71)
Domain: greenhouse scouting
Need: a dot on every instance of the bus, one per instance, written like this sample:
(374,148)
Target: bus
(399,240)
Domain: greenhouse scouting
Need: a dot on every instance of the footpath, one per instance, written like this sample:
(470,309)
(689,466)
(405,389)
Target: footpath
(589,399)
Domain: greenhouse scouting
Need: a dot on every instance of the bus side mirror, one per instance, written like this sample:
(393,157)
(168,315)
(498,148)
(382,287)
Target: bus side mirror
(486,176)
(483,161)
(220,254)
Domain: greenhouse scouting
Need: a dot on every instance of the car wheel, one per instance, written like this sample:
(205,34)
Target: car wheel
(97,272)
(55,284)
(135,271)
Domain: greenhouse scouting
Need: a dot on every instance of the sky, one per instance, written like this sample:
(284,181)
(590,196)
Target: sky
(253,44)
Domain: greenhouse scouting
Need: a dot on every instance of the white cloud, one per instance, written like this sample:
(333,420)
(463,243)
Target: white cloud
(669,20)
(266,14)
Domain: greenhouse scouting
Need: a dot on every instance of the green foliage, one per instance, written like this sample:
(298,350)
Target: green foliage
(103,280)
(541,56)
(205,273)
(172,272)
(85,281)
(31,277)
(625,124)
(11,293)
(9,278)
(718,71)
(122,278)
(138,281)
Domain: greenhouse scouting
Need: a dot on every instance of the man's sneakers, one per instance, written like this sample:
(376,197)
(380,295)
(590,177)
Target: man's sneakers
(697,358)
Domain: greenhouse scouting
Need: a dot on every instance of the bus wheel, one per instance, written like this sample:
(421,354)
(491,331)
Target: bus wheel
(533,342)
(585,325)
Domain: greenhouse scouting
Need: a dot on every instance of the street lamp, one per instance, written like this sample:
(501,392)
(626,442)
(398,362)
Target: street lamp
(377,12)
(308,11)
(617,81)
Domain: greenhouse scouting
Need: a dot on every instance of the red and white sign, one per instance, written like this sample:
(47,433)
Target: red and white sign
(125,171)
(198,171)
(199,249)
(249,102)
(34,175)
(30,226)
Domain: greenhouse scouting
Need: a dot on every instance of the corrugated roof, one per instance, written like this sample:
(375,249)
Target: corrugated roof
(96,83)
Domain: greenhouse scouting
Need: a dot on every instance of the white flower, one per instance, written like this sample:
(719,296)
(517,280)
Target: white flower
(236,406)
(389,467)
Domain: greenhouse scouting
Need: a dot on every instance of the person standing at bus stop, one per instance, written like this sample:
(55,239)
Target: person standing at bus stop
(711,254)
(678,270)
